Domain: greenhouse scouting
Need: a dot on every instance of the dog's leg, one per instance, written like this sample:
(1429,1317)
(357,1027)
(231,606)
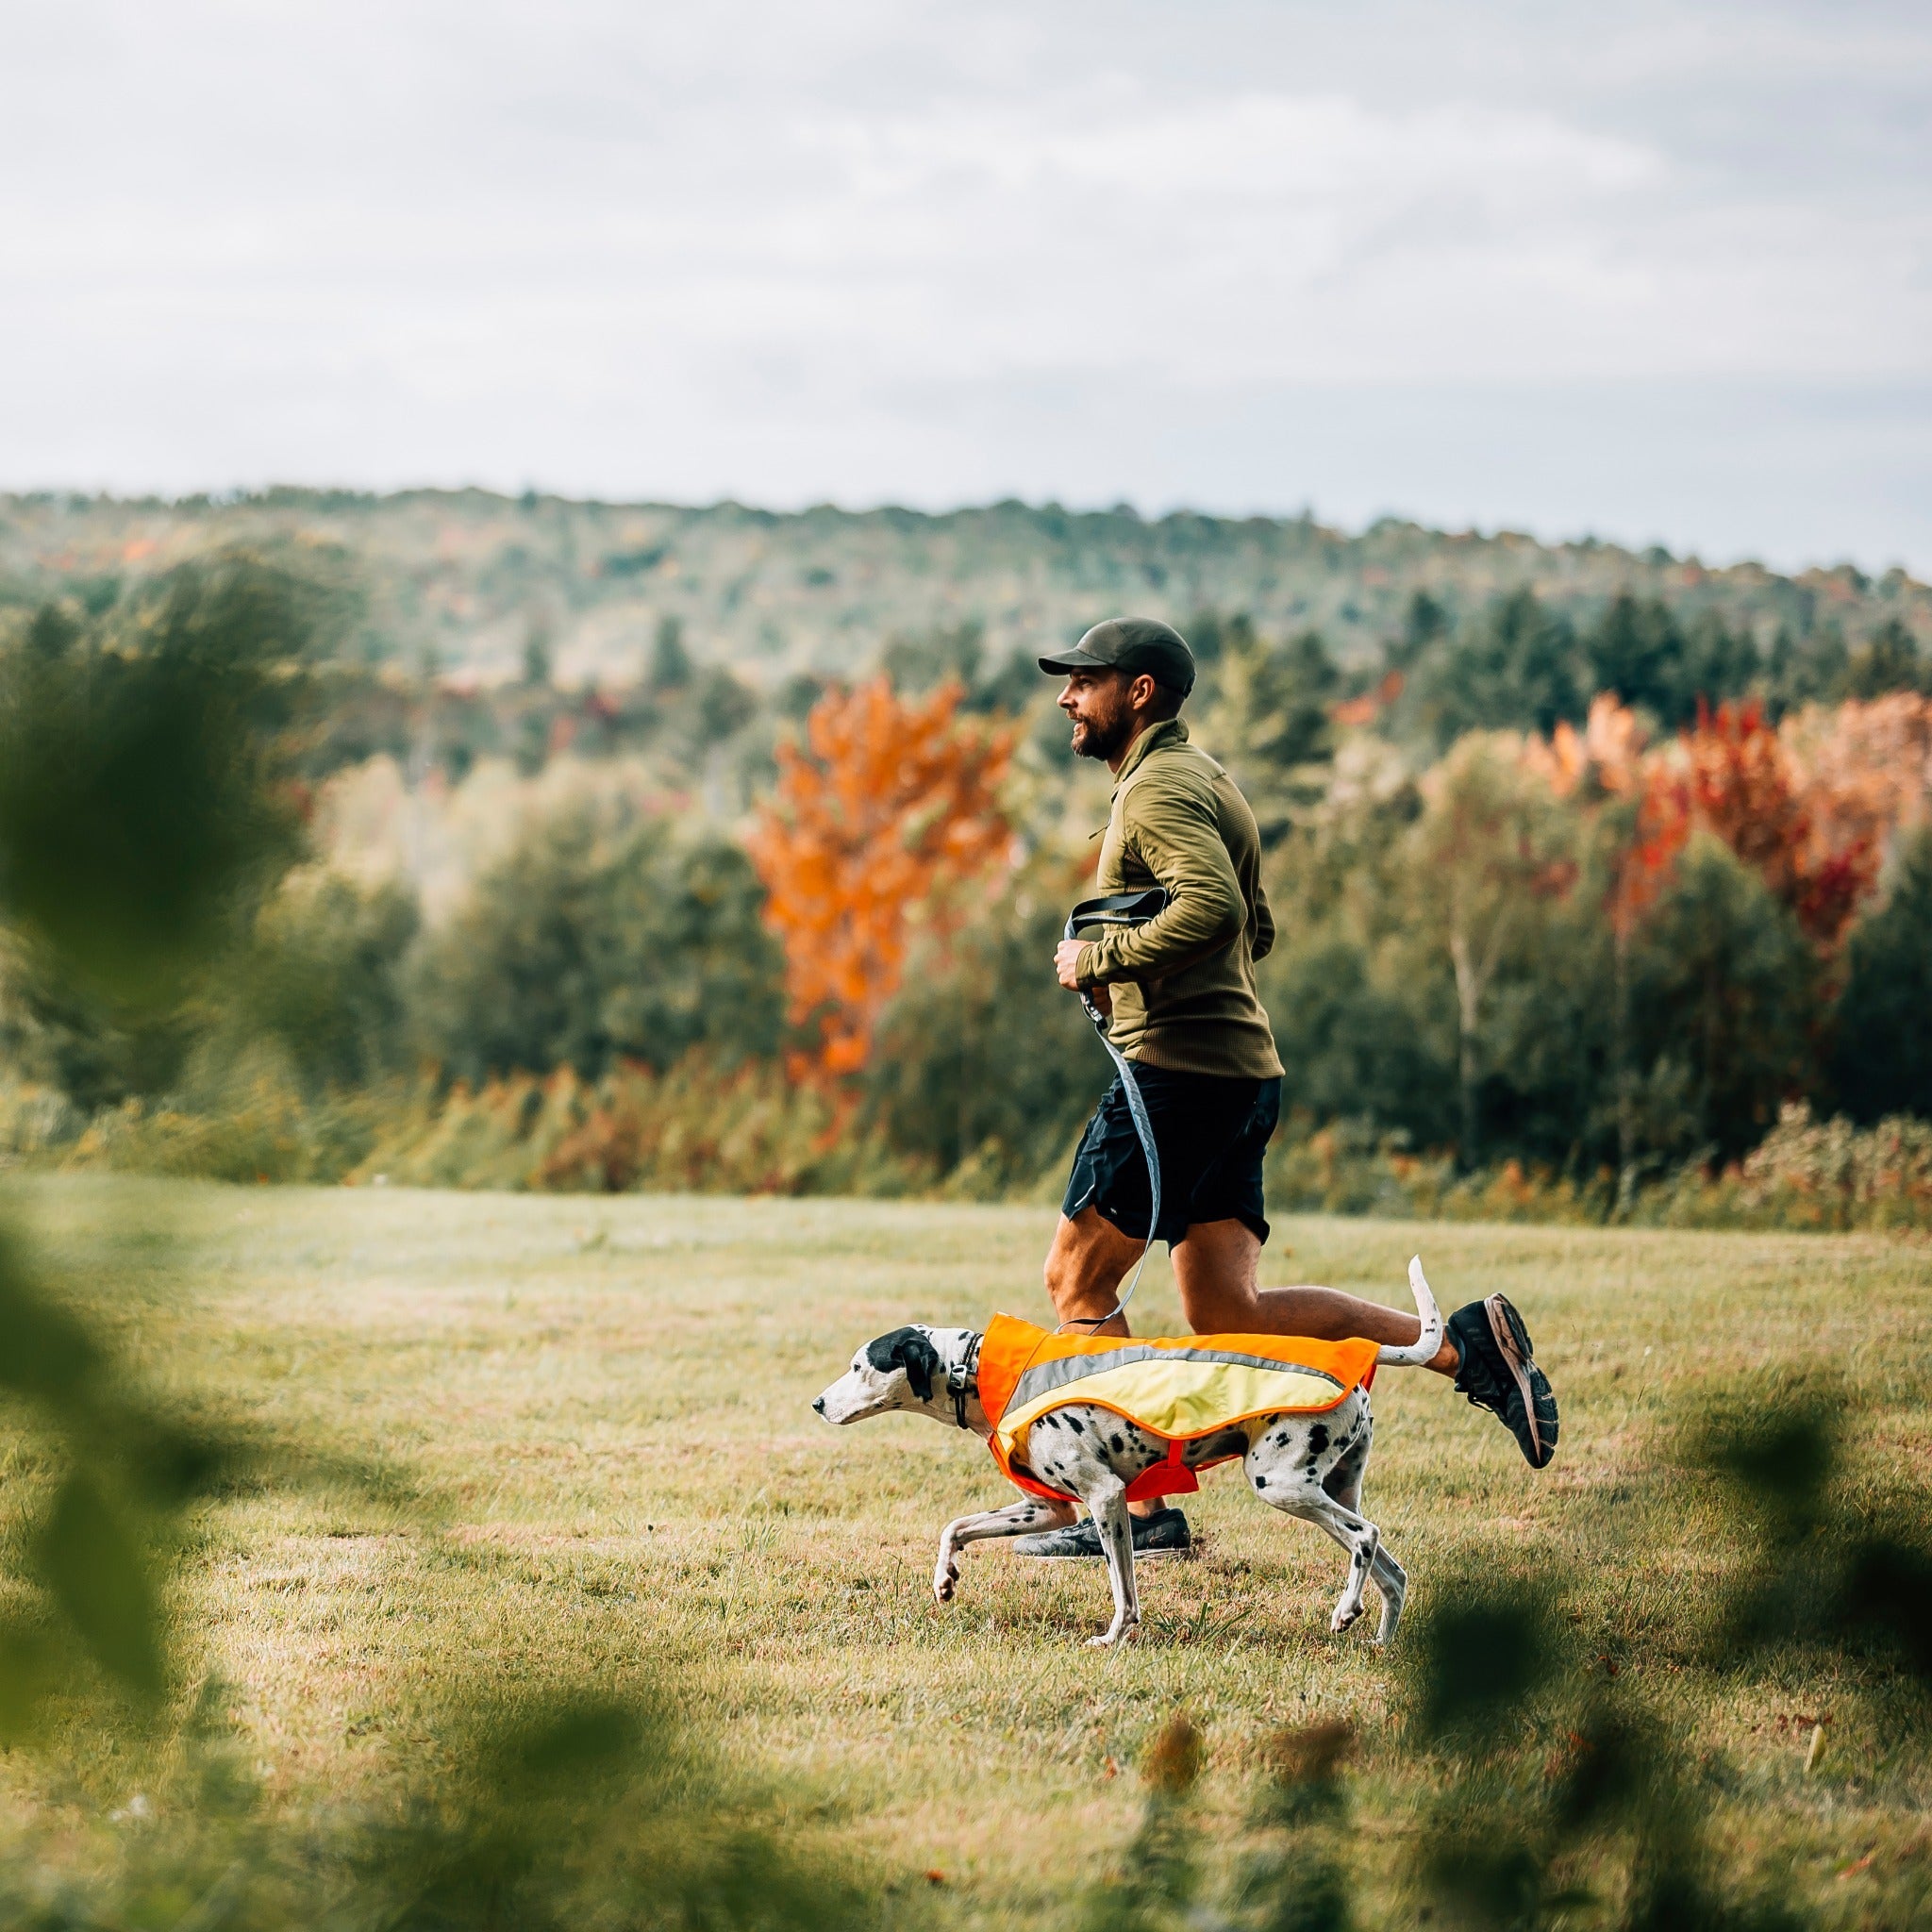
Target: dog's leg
(1016,1519)
(1091,1454)
(1290,1463)
(1345,1484)
(1107,1504)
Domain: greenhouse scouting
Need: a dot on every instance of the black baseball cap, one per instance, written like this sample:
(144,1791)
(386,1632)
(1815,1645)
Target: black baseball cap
(1132,645)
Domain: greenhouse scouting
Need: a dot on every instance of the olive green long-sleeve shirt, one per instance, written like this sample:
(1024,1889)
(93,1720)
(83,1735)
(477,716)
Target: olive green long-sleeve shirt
(1183,984)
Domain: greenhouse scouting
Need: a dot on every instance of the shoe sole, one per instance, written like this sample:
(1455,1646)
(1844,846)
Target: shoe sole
(1513,1344)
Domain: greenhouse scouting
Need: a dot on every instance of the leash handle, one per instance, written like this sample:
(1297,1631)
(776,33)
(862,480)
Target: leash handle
(1122,908)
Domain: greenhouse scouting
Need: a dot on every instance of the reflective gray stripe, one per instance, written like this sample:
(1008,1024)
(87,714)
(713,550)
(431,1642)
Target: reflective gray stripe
(1045,1377)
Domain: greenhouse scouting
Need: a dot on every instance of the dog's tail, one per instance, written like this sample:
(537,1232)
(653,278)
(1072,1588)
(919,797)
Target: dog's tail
(1421,1350)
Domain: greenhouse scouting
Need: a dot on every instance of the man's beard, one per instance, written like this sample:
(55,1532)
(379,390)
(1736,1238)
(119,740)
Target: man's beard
(1104,737)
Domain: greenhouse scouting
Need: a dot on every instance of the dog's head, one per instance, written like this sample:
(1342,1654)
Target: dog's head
(896,1370)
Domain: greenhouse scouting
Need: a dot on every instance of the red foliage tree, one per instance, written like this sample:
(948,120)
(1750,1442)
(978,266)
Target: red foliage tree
(1746,789)
(888,811)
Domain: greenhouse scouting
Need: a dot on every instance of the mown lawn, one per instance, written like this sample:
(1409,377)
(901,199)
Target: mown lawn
(603,1407)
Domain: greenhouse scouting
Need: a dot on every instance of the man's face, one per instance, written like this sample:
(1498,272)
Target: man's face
(1102,712)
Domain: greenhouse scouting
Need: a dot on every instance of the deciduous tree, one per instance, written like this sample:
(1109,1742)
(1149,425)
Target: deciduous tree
(882,819)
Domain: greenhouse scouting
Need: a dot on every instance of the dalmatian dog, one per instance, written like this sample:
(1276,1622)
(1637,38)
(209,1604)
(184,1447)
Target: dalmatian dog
(1309,1466)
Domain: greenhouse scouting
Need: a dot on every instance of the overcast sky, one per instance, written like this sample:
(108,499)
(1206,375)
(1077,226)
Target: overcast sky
(1654,272)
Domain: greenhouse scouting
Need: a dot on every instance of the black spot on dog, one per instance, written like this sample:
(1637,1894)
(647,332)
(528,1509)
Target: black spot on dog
(1318,1439)
(907,1349)
(1115,1443)
(1078,1427)
(1261,1482)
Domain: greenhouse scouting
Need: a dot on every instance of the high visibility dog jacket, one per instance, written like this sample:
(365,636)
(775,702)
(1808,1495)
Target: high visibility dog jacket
(1178,1388)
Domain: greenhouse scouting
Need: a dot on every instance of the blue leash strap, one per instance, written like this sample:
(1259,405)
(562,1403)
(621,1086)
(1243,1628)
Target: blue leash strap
(1124,909)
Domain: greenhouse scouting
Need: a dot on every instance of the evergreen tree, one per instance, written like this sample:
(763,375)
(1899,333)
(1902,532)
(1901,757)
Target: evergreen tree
(671,665)
(1269,722)
(1882,1063)
(1888,661)
(1725,992)
(1515,669)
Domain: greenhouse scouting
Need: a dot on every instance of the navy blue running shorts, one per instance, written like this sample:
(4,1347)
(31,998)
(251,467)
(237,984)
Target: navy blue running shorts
(1210,1133)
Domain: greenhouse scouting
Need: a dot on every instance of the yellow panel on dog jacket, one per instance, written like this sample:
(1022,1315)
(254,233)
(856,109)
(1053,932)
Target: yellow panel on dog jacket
(1179,1389)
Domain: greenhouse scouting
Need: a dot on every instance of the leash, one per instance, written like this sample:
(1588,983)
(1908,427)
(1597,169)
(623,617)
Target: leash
(1122,908)
(1116,909)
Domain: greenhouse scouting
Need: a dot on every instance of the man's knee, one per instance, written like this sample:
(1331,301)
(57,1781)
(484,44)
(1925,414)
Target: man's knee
(1058,1277)
(1063,1273)
(1082,1267)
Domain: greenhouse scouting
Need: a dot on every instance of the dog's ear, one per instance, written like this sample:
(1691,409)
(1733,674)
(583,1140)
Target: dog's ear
(907,1349)
(919,1358)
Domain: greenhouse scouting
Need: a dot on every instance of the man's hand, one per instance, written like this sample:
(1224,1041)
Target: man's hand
(1066,964)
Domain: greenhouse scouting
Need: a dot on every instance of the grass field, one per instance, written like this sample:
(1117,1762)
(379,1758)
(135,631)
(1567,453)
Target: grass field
(604,1403)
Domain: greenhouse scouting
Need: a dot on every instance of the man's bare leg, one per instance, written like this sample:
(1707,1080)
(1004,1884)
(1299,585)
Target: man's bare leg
(1085,1267)
(1215,1265)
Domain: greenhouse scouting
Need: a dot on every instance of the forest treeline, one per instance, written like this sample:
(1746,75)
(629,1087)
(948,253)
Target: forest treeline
(1620,914)
(463,585)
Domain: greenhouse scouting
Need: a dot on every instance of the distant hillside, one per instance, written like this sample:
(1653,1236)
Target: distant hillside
(465,581)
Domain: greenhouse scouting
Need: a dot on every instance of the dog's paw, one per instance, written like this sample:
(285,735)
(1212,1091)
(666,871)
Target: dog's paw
(1109,1639)
(1344,1620)
(944,1581)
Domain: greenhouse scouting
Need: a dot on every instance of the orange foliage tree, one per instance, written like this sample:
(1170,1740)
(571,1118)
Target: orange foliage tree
(1748,790)
(883,817)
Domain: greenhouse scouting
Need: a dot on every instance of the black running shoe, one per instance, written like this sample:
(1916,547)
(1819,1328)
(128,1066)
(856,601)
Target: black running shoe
(1163,1534)
(1498,1371)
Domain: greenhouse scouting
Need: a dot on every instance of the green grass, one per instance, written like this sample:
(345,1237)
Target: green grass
(603,1406)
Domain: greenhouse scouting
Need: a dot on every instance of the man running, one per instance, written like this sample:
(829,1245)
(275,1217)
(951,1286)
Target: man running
(1179,992)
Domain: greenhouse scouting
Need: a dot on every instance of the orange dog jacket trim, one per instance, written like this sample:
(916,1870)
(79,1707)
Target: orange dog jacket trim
(1179,1389)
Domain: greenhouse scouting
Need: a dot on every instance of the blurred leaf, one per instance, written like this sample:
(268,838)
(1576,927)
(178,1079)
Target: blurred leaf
(48,1354)
(1173,1759)
(136,796)
(1778,1446)
(1889,1587)
(1485,1647)
(1607,1769)
(95,1569)
(1487,1873)
(26,1665)
(586,1739)
(171,1462)
(1305,1767)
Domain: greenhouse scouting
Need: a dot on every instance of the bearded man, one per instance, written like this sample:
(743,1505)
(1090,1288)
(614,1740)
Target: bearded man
(1179,994)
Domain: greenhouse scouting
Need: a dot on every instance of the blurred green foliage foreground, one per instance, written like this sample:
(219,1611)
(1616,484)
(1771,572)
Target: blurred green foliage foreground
(141,823)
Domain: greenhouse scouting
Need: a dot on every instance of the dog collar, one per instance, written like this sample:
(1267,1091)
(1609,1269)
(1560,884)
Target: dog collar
(962,1379)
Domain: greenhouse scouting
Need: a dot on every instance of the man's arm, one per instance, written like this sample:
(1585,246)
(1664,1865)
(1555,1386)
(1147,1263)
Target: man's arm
(1174,831)
(1261,941)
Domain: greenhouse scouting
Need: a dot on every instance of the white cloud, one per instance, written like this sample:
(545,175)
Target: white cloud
(756,247)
